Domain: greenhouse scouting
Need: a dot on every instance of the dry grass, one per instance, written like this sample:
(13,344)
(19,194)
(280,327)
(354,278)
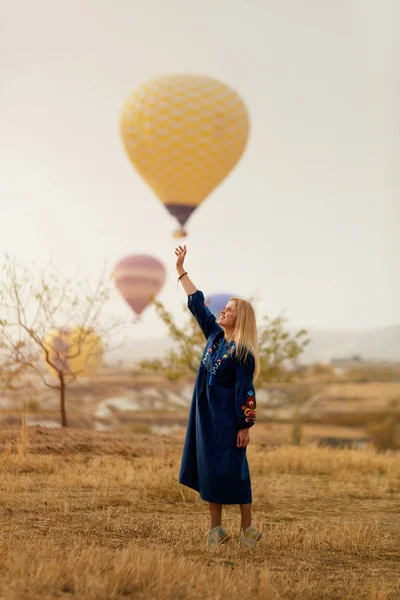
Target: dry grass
(106,518)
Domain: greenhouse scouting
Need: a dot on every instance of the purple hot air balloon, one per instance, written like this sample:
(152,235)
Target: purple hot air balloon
(216,302)
(138,278)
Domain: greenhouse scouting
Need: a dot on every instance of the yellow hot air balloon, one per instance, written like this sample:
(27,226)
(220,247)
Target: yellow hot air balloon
(76,351)
(184,134)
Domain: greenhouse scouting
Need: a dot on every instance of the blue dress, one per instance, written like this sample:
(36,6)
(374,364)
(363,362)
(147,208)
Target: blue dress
(223,402)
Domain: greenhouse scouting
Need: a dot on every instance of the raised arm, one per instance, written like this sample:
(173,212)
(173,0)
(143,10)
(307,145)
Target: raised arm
(196,305)
(186,282)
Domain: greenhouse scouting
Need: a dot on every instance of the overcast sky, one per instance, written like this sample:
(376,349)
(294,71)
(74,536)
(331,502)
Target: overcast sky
(309,219)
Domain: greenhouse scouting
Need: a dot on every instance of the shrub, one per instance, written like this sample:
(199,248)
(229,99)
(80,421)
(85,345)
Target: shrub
(385,433)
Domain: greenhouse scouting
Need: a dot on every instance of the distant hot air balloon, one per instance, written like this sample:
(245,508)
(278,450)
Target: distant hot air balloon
(217,302)
(76,351)
(184,134)
(138,278)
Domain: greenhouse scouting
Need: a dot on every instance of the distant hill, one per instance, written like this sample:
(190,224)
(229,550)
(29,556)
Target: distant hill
(379,344)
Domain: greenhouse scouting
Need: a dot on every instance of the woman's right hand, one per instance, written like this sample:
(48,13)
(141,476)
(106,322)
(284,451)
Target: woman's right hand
(180,253)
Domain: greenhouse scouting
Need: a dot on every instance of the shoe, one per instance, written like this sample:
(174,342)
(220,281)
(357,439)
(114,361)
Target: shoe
(218,535)
(250,536)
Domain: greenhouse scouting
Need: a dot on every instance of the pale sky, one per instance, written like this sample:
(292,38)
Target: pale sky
(309,218)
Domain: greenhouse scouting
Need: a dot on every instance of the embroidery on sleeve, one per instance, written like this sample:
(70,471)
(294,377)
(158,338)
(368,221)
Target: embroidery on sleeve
(249,408)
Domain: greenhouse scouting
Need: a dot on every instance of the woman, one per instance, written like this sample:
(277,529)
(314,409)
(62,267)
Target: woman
(223,409)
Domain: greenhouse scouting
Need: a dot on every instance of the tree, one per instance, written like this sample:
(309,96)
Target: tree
(33,303)
(183,359)
(278,348)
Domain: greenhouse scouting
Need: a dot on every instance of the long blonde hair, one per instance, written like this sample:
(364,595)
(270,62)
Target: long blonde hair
(245,334)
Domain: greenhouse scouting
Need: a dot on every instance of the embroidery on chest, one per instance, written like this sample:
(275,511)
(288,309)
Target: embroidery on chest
(208,353)
(218,363)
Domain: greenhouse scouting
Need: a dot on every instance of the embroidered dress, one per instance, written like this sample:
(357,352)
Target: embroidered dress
(223,402)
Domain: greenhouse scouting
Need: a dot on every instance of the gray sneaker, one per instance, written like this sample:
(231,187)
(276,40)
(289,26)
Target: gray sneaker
(250,536)
(217,535)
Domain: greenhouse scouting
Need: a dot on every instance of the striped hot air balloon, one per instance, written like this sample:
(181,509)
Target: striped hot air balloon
(184,133)
(138,278)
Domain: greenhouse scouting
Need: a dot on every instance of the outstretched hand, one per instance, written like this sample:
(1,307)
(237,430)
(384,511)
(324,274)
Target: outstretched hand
(180,253)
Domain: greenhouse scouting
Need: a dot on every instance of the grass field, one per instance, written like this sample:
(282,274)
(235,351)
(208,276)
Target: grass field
(96,515)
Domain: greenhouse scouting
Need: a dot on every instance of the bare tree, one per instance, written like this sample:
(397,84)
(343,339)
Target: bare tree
(33,303)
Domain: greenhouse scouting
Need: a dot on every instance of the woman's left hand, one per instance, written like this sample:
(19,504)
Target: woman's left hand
(243,438)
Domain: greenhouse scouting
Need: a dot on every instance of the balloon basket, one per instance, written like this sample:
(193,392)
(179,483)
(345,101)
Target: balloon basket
(179,233)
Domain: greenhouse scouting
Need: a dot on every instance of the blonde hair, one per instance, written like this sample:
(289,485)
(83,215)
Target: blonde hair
(245,334)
